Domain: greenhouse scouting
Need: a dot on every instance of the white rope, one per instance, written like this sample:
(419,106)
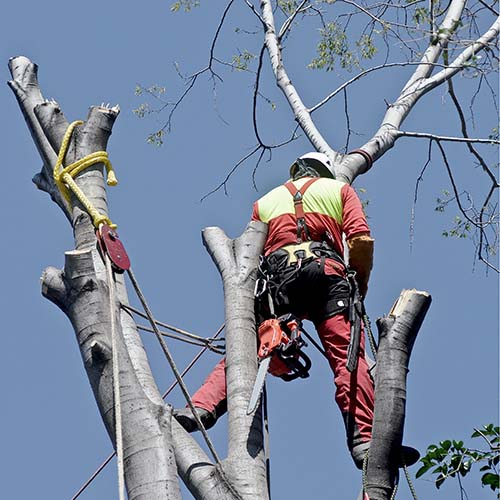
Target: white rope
(116,380)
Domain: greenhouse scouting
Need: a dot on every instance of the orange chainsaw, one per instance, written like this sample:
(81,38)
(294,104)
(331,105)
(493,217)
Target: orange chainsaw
(280,353)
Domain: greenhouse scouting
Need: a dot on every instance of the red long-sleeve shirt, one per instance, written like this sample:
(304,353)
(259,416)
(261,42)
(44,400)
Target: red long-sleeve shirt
(329,206)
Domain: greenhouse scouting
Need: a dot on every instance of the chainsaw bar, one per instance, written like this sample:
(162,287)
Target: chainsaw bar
(260,380)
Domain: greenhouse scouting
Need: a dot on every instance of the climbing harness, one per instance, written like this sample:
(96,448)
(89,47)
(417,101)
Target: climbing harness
(117,261)
(297,195)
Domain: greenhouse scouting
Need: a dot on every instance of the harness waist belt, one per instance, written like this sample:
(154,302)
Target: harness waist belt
(302,251)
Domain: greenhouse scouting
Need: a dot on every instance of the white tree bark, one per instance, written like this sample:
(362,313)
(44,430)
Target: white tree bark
(237,261)
(156,448)
(350,166)
(80,290)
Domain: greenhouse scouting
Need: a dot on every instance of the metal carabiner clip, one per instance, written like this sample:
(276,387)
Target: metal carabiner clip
(260,287)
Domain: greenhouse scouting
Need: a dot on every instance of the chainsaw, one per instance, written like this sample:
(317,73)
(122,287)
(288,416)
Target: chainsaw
(280,353)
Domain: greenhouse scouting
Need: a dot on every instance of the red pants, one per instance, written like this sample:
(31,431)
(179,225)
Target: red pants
(354,394)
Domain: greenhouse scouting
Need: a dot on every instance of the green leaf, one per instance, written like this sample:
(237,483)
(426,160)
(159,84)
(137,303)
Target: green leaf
(446,444)
(423,470)
(491,480)
(440,480)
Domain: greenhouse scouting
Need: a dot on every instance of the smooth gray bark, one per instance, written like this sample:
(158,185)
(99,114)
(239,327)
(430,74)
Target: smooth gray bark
(80,290)
(397,332)
(156,447)
(237,261)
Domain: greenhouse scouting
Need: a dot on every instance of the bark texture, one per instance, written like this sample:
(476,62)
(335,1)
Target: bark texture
(237,261)
(397,332)
(80,290)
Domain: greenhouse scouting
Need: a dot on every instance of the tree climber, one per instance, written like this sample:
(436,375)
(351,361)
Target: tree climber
(307,217)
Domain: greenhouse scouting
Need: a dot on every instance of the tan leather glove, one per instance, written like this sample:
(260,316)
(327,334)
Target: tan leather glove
(361,259)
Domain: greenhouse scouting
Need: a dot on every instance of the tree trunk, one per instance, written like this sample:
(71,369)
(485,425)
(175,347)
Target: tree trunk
(397,332)
(81,291)
(237,261)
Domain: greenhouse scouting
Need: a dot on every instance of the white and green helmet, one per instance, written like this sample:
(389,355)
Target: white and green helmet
(319,162)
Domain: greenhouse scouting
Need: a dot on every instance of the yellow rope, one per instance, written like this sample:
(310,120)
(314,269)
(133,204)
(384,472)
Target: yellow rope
(64,177)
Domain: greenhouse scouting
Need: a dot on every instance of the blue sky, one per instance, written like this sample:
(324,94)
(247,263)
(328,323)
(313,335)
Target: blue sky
(94,52)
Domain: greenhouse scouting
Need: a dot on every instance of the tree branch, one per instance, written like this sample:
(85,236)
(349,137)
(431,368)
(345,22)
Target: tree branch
(424,135)
(237,262)
(300,111)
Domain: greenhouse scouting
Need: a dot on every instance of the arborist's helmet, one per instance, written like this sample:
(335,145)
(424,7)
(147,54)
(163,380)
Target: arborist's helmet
(313,164)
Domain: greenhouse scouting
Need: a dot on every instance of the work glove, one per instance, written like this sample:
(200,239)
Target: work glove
(361,259)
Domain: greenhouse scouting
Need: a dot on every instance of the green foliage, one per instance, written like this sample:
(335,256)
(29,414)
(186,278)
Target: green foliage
(187,5)
(333,48)
(461,228)
(288,6)
(451,458)
(156,138)
(144,109)
(365,202)
(241,61)
(494,136)
(421,15)
(366,47)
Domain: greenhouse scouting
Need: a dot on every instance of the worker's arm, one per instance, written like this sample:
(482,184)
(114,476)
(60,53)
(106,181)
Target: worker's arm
(361,259)
(359,240)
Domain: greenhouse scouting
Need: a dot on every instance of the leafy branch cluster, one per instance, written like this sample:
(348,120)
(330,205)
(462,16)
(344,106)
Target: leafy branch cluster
(451,459)
(334,45)
(187,5)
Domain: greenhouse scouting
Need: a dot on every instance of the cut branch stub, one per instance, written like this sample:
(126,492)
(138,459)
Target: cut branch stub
(397,332)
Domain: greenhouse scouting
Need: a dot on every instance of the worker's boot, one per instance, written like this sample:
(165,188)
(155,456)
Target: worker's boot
(407,457)
(186,419)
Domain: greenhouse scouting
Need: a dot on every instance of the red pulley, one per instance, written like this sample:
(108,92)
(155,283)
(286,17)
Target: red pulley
(111,244)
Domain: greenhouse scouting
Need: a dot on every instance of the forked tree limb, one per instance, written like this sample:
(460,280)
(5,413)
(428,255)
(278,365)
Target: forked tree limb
(80,290)
(237,262)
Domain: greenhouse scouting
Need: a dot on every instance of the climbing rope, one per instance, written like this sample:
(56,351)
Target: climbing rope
(64,176)
(410,482)
(116,380)
(364,480)
(215,345)
(172,364)
(101,467)
(394,491)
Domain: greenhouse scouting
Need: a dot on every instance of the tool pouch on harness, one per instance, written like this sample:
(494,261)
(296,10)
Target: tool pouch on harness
(281,339)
